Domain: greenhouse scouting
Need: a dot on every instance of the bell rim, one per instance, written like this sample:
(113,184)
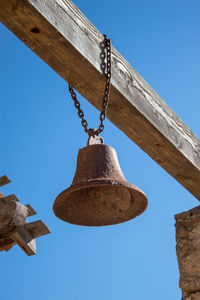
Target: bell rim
(101,182)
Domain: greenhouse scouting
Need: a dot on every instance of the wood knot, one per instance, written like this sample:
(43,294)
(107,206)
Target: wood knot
(35,30)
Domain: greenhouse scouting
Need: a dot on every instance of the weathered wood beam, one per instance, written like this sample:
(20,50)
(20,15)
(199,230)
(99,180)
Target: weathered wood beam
(31,211)
(4,180)
(37,229)
(25,240)
(25,236)
(63,37)
(13,226)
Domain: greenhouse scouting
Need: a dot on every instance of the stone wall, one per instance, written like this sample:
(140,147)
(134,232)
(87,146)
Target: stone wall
(188,252)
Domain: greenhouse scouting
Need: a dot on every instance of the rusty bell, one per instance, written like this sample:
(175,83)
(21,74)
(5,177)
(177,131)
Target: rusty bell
(99,194)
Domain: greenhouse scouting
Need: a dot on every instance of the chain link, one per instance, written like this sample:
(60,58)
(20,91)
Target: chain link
(105,44)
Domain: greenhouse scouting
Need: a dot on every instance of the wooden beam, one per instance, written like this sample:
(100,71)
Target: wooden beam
(31,211)
(26,235)
(25,240)
(10,198)
(6,244)
(13,226)
(37,228)
(4,180)
(63,37)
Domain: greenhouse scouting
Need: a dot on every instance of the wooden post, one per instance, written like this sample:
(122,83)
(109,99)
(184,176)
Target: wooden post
(63,37)
(188,252)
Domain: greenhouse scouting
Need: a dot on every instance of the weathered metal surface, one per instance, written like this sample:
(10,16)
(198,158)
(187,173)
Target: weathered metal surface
(99,194)
(106,71)
(95,139)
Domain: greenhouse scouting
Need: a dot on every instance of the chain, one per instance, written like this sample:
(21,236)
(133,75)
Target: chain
(105,44)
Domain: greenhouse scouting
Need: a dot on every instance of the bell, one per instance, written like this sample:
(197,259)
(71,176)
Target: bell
(99,194)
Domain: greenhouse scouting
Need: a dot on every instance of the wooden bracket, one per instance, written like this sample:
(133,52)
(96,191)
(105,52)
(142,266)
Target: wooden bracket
(13,226)
(26,235)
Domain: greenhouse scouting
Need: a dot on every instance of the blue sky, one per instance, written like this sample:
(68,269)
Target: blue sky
(40,138)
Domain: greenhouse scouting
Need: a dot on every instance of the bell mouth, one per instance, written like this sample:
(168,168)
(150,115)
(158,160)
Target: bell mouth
(100,203)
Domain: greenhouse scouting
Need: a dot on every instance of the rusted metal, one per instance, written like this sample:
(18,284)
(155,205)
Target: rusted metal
(94,139)
(99,194)
(105,44)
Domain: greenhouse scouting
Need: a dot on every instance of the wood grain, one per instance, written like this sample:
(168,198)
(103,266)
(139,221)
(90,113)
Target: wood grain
(63,37)
(37,228)
(25,240)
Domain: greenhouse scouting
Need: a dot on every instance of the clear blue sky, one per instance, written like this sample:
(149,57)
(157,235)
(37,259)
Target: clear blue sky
(40,138)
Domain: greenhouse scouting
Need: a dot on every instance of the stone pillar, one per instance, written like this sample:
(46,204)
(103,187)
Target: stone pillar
(188,252)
